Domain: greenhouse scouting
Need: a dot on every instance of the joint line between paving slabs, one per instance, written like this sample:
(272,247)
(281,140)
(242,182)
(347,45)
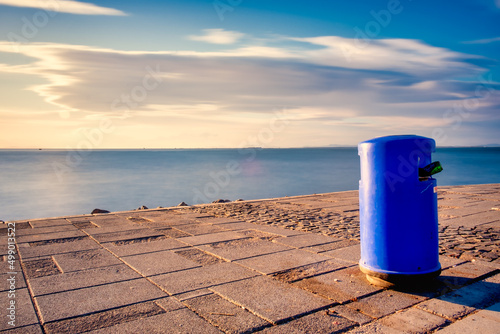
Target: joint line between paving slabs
(245,258)
(451,321)
(475,280)
(57,264)
(447,323)
(30,291)
(86,287)
(209,288)
(279,322)
(143,276)
(102,311)
(273,275)
(203,251)
(253,330)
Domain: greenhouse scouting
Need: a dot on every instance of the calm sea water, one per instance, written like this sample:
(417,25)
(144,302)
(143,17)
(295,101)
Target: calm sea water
(49,183)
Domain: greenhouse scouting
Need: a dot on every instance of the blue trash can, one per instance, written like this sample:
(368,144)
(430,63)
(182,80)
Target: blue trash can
(398,211)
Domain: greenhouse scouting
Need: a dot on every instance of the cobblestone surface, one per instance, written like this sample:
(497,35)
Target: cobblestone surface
(292,217)
(470,242)
(465,242)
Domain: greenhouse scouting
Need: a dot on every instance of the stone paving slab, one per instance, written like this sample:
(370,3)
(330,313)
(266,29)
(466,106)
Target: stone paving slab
(486,321)
(124,235)
(350,254)
(86,259)
(103,226)
(108,220)
(209,219)
(172,232)
(203,277)
(341,286)
(159,262)
(487,204)
(7,282)
(49,222)
(457,276)
(351,314)
(235,226)
(42,230)
(276,230)
(385,303)
(49,236)
(253,233)
(199,229)
(175,322)
(476,295)
(414,320)
(492,312)
(143,245)
(474,219)
(445,309)
(112,317)
(173,219)
(211,238)
(269,299)
(453,201)
(331,246)
(306,240)
(243,248)
(279,265)
(225,315)
(275,262)
(40,268)
(73,303)
(198,256)
(66,246)
(318,322)
(81,279)
(24,313)
(309,270)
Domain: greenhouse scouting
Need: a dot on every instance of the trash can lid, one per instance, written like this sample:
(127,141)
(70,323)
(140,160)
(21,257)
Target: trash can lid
(387,139)
(424,144)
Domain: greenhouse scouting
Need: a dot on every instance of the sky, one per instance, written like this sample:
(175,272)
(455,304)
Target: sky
(243,73)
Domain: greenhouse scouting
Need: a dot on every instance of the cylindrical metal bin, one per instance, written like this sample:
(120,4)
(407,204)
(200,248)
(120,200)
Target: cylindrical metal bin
(398,211)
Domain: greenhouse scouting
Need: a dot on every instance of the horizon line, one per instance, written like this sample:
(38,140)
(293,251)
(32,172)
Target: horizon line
(222,148)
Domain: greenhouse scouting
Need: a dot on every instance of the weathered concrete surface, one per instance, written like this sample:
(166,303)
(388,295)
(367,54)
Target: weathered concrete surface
(286,265)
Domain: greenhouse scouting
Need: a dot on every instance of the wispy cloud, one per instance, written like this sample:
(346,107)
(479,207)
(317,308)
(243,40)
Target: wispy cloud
(64,6)
(483,41)
(401,55)
(404,85)
(217,36)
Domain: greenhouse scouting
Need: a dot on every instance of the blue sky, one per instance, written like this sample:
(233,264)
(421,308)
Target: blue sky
(231,73)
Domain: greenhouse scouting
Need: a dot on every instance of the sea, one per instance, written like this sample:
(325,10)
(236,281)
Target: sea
(54,183)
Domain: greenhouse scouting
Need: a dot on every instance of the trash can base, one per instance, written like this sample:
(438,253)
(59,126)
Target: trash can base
(389,280)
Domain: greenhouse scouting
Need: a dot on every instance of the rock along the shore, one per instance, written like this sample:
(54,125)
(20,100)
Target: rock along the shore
(99,211)
(221,201)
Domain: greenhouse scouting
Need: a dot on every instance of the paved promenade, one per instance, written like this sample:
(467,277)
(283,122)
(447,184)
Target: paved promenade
(286,265)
